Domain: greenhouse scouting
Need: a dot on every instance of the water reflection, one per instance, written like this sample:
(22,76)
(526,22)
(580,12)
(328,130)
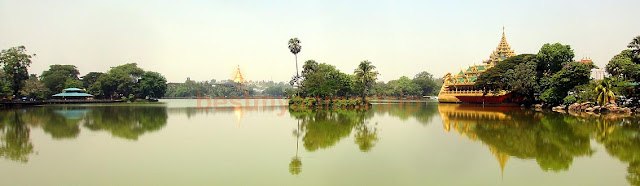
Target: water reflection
(552,139)
(127,122)
(15,141)
(64,123)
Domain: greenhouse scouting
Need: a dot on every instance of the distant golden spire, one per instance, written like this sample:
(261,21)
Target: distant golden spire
(238,78)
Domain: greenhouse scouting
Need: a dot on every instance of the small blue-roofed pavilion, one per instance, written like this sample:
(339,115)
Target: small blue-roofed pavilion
(72,93)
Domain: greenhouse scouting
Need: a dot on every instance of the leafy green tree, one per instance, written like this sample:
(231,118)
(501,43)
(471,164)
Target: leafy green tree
(522,80)
(552,57)
(605,92)
(563,81)
(15,62)
(366,75)
(59,77)
(119,81)
(34,88)
(426,83)
(634,45)
(274,91)
(621,65)
(586,92)
(90,78)
(516,74)
(5,88)
(72,83)
(153,84)
(405,87)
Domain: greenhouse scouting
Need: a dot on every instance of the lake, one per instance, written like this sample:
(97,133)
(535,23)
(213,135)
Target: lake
(261,142)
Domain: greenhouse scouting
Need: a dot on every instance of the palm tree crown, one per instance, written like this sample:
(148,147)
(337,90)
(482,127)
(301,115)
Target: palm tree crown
(366,75)
(294,46)
(605,94)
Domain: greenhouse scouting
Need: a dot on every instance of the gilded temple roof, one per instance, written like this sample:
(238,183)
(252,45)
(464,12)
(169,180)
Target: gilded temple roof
(469,75)
(502,52)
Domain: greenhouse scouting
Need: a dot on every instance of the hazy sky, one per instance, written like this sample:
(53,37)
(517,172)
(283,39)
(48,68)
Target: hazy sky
(208,39)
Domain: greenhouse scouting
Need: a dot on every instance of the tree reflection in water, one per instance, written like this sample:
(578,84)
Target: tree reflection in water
(552,139)
(127,122)
(63,122)
(295,167)
(15,141)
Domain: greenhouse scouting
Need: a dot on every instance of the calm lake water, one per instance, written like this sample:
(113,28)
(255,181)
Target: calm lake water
(261,143)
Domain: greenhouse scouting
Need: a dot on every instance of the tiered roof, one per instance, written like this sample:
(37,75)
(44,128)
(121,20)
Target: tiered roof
(502,52)
(468,76)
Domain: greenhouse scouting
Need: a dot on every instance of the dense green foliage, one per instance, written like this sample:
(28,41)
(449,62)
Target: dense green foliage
(365,77)
(120,81)
(625,72)
(126,80)
(422,84)
(278,89)
(192,88)
(59,77)
(604,91)
(34,88)
(14,62)
(153,84)
(323,80)
(550,74)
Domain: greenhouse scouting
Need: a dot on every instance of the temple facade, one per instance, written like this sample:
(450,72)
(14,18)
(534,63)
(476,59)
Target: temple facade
(460,87)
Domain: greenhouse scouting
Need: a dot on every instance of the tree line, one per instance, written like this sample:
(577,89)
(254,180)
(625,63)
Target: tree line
(192,88)
(324,80)
(128,80)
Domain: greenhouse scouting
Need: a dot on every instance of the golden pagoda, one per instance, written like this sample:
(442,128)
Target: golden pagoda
(461,86)
(502,52)
(238,78)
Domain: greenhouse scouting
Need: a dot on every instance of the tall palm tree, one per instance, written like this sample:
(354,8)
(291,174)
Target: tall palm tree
(635,47)
(605,94)
(294,47)
(366,75)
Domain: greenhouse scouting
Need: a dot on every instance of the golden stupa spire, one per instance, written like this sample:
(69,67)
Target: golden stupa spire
(238,78)
(503,51)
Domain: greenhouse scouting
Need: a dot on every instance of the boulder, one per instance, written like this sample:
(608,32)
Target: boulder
(574,107)
(585,105)
(559,108)
(590,109)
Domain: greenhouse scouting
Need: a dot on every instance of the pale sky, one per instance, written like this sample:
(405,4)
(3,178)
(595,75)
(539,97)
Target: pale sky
(208,39)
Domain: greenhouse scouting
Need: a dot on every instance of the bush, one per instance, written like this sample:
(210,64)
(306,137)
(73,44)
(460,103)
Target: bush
(570,99)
